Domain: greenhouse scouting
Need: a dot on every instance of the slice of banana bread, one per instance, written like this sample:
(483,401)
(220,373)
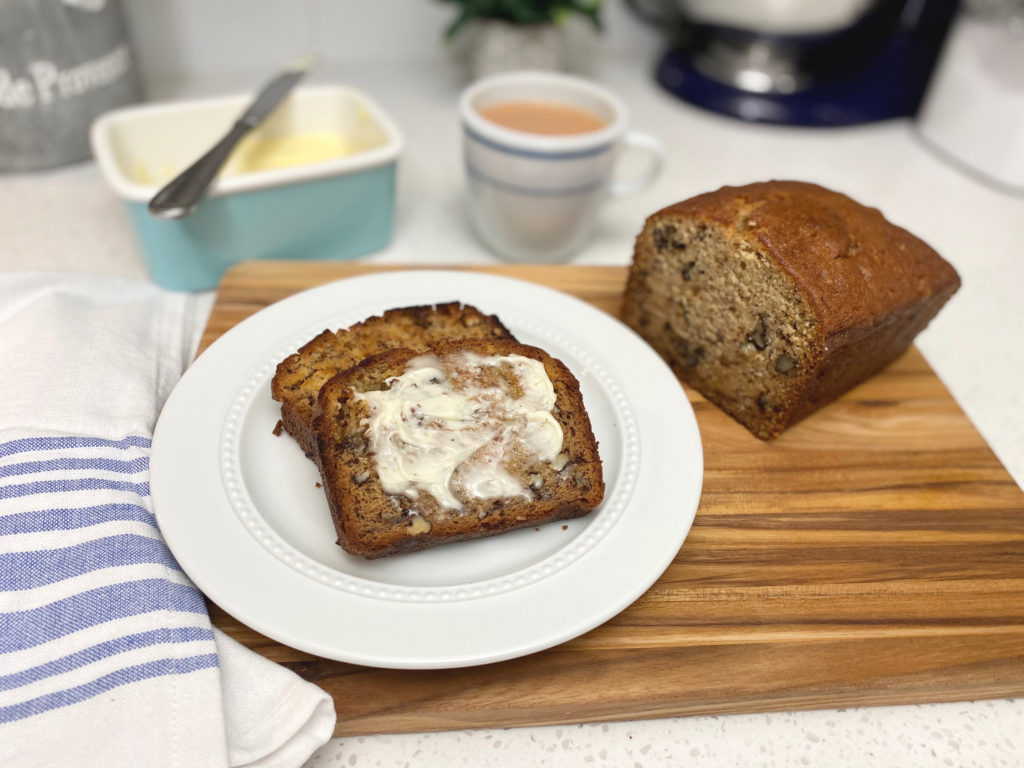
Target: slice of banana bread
(774,298)
(473,438)
(299,377)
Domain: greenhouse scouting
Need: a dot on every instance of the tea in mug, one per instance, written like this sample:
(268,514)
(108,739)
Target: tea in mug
(544,117)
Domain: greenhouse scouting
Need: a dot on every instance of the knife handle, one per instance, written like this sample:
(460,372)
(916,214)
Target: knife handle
(179,197)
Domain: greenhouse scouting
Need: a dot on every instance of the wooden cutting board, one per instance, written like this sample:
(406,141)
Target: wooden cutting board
(874,554)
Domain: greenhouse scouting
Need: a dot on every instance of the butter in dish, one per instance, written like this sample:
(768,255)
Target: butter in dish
(315,181)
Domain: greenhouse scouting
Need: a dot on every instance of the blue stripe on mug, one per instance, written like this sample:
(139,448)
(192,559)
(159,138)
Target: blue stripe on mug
(535,153)
(483,178)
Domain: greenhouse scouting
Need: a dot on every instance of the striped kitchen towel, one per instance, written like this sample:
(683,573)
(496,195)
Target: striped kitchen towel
(91,600)
(107,654)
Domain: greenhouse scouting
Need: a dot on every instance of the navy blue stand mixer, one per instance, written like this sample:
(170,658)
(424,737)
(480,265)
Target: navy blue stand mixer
(800,62)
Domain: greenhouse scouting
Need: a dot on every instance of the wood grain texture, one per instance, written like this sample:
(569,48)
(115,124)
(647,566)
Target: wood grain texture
(874,554)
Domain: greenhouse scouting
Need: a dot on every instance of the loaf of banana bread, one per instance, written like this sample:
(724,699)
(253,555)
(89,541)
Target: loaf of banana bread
(299,377)
(774,298)
(473,438)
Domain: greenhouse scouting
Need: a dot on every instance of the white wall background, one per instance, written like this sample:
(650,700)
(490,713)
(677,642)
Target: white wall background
(176,39)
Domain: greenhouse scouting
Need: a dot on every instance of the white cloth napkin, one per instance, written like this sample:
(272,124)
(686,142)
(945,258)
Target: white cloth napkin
(107,655)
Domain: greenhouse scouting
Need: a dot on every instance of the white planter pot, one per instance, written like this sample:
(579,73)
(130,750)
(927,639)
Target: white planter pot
(499,46)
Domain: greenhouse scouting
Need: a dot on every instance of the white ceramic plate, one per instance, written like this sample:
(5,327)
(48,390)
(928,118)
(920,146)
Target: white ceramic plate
(241,510)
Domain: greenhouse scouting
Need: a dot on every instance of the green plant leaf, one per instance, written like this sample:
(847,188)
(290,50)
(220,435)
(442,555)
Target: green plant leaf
(522,12)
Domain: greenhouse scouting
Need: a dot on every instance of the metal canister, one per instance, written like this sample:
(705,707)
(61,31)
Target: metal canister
(62,64)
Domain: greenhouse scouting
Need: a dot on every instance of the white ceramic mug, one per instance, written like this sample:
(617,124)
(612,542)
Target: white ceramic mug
(535,197)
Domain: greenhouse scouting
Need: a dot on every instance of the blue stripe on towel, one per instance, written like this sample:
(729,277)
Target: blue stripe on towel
(106,683)
(52,503)
(37,568)
(26,629)
(70,486)
(69,463)
(57,443)
(68,519)
(104,650)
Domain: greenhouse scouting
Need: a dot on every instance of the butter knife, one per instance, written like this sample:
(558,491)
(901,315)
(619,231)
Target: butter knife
(181,195)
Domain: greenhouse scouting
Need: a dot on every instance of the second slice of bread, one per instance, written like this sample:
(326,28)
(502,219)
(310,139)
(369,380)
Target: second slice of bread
(371,522)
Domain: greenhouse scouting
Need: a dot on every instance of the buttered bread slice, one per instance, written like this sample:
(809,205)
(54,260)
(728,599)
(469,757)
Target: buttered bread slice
(298,378)
(470,439)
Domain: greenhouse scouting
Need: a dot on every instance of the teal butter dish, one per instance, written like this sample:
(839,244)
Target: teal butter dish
(315,181)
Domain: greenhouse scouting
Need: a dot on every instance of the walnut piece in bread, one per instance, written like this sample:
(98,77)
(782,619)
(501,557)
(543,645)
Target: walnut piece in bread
(774,298)
(471,439)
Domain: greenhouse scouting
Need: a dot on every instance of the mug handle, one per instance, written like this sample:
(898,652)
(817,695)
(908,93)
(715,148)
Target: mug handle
(655,151)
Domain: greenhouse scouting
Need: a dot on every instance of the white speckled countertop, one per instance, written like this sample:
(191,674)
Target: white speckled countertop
(68,220)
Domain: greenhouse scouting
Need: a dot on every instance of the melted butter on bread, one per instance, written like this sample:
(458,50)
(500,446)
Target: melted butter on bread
(456,428)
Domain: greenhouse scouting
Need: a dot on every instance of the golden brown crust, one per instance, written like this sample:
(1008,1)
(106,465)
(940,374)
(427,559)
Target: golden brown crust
(298,378)
(774,298)
(372,523)
(855,267)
